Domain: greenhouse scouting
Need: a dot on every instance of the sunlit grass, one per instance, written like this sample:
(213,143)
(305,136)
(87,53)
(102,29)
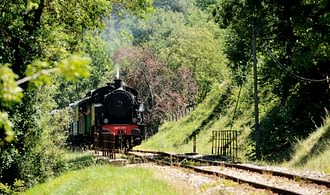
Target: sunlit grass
(313,153)
(105,180)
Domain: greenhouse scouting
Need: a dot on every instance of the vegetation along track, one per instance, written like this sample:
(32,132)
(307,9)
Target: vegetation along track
(280,182)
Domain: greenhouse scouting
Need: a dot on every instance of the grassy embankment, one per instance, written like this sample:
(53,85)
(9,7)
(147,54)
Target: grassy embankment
(313,153)
(216,113)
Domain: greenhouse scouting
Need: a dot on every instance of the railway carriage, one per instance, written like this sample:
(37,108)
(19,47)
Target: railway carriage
(81,126)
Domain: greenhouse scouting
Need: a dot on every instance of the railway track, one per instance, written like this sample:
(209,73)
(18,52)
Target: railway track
(279,182)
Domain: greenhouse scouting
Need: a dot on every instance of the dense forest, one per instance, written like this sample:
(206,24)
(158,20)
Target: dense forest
(174,52)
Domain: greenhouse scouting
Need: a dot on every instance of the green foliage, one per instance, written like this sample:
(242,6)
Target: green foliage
(205,4)
(98,72)
(71,68)
(17,188)
(290,32)
(182,6)
(43,42)
(10,91)
(140,8)
(170,33)
(203,55)
(35,70)
(75,67)
(41,156)
(7,135)
(157,28)
(28,36)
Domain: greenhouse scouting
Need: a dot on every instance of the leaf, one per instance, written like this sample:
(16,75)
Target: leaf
(75,67)
(6,131)
(10,92)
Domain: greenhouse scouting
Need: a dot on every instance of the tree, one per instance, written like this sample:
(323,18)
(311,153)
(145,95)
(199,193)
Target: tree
(205,4)
(27,36)
(163,89)
(40,38)
(292,44)
(183,6)
(185,40)
(203,56)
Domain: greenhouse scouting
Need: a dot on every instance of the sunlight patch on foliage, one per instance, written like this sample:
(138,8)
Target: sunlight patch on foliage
(6,126)
(75,67)
(72,68)
(10,92)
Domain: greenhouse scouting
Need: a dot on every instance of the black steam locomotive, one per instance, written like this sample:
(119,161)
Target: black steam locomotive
(110,116)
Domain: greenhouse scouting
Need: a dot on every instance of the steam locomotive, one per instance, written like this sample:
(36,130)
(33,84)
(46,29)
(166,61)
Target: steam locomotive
(112,114)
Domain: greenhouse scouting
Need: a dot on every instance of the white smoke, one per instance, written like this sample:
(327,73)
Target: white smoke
(117,72)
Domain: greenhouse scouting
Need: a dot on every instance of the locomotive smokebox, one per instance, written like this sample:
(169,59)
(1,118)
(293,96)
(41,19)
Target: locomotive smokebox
(118,83)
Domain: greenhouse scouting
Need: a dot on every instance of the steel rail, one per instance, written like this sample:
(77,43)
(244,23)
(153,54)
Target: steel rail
(240,180)
(244,167)
(209,172)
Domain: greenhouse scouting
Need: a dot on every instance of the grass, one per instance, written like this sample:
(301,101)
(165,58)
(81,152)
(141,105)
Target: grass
(313,153)
(78,160)
(105,180)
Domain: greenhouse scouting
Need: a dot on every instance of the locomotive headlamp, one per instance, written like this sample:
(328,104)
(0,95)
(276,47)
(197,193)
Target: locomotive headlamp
(105,120)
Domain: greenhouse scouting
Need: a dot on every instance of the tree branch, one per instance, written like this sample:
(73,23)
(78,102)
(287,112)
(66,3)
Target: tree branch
(36,75)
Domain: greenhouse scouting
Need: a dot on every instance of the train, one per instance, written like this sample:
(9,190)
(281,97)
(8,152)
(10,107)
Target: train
(109,117)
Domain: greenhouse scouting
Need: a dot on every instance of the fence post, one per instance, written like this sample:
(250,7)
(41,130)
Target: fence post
(194,142)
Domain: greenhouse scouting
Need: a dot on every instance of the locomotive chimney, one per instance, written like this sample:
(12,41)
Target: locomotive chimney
(118,83)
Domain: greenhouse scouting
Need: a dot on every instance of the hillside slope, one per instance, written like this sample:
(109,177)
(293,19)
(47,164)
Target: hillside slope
(213,114)
(217,112)
(313,153)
